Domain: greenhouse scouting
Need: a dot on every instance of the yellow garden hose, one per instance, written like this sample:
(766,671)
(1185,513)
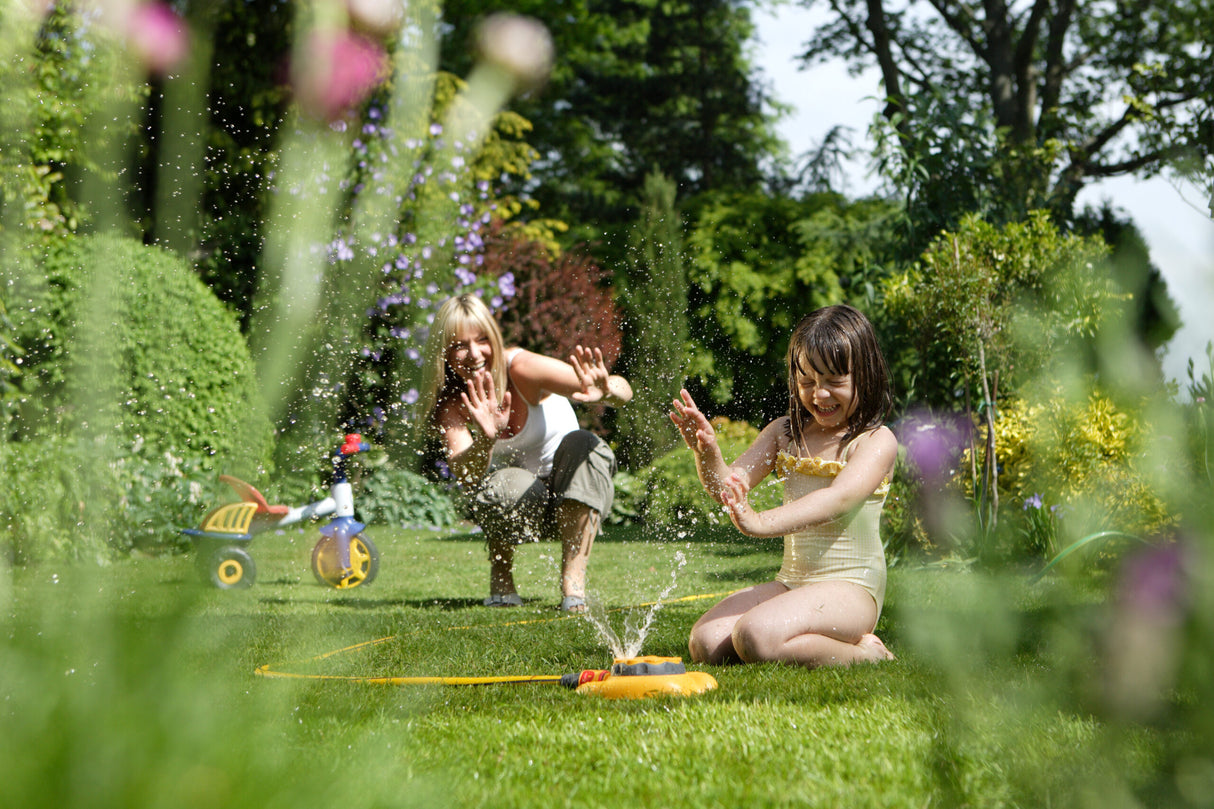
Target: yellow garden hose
(590,681)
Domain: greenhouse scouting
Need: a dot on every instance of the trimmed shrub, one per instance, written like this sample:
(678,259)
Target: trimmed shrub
(125,339)
(133,385)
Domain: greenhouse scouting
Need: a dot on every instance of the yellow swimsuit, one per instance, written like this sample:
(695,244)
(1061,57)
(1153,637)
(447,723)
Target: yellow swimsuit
(846,549)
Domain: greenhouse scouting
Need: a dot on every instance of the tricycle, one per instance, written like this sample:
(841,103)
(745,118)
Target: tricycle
(343,557)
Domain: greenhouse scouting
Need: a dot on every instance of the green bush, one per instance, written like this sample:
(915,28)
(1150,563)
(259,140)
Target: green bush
(673,491)
(403,499)
(124,338)
(1071,468)
(64,497)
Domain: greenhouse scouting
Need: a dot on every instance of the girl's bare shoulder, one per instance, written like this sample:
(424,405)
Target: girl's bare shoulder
(878,444)
(777,435)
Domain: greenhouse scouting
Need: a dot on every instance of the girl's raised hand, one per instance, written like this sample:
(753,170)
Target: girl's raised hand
(693,425)
(733,497)
(490,417)
(591,373)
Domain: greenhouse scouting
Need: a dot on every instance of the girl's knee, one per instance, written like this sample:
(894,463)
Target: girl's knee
(751,643)
(707,647)
(696,650)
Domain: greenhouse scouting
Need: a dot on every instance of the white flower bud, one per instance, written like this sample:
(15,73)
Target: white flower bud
(519,46)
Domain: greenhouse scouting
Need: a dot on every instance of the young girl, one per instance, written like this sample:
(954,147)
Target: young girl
(512,441)
(835,458)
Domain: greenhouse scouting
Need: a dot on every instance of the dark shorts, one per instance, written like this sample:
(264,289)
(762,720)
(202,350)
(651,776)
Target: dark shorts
(512,504)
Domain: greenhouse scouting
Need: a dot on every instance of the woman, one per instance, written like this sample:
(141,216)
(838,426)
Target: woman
(513,443)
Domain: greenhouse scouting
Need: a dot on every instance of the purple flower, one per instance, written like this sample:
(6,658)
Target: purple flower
(506,285)
(931,443)
(341,250)
(1155,578)
(1033,502)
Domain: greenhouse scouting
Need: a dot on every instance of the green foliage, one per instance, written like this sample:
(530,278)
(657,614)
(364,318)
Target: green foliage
(998,112)
(758,264)
(674,495)
(402,499)
(1081,464)
(998,303)
(1153,315)
(1200,390)
(246,103)
(68,498)
(653,298)
(902,531)
(640,86)
(123,338)
(52,76)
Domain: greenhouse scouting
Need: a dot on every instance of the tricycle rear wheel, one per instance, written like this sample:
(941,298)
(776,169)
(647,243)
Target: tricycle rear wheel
(227,567)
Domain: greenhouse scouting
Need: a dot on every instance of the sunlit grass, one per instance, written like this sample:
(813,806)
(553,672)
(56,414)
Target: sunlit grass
(135,686)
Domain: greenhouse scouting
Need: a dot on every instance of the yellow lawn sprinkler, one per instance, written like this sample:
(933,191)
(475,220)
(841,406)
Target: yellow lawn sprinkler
(640,677)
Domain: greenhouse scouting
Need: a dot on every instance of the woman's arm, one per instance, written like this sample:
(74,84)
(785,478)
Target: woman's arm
(866,470)
(469,427)
(584,378)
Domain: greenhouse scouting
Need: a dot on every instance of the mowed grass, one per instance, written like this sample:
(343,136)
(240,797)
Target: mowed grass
(136,686)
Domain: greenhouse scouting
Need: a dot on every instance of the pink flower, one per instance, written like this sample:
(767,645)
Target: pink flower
(339,70)
(157,36)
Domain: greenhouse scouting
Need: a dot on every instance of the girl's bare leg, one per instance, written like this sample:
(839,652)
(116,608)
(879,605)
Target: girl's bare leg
(824,624)
(711,638)
(578,524)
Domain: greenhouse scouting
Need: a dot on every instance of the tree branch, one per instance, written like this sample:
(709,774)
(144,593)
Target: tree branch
(891,77)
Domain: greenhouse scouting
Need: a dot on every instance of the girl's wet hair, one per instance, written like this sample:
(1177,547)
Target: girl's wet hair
(839,340)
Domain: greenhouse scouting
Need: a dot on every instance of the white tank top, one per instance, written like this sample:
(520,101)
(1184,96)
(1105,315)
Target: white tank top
(534,447)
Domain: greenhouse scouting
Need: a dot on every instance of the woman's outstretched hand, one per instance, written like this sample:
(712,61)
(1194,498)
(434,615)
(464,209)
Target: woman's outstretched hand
(490,417)
(591,373)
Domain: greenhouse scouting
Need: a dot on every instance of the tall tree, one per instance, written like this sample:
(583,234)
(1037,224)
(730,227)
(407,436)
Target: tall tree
(1002,106)
(638,86)
(654,299)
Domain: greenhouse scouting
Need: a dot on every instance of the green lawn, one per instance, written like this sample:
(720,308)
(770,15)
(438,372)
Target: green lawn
(134,686)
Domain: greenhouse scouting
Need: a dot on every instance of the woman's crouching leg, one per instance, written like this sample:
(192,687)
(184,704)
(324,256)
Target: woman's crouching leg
(583,488)
(509,507)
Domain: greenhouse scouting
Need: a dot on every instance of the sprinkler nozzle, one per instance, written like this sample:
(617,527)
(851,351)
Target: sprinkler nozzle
(638,677)
(576,678)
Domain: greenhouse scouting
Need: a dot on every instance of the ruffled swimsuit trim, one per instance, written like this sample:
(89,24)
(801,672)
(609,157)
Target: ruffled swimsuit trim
(817,467)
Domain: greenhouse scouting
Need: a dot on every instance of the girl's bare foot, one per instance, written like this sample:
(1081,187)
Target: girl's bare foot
(872,650)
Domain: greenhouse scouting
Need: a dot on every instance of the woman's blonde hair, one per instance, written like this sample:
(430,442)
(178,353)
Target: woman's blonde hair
(439,381)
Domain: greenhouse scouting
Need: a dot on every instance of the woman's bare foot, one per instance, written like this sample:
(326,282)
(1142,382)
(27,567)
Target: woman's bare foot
(872,650)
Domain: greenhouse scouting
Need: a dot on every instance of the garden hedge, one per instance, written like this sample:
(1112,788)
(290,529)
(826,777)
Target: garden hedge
(126,338)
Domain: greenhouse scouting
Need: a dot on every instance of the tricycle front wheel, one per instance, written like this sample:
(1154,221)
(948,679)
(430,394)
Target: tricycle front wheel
(364,562)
